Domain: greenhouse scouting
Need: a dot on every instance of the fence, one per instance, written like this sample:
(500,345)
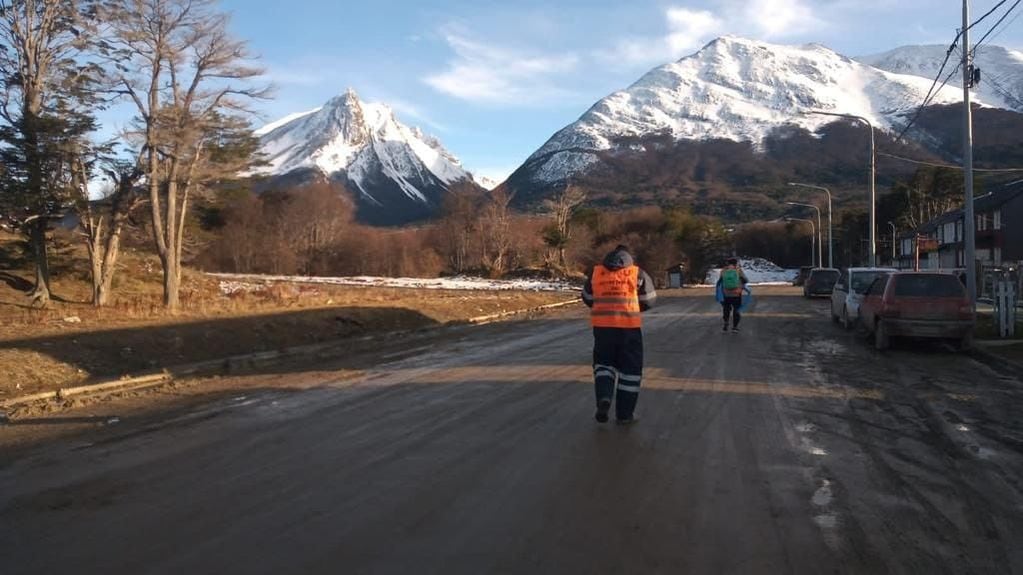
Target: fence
(1005,291)
(990,276)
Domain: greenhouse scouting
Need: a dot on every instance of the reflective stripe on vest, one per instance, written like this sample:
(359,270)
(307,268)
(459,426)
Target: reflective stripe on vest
(615,298)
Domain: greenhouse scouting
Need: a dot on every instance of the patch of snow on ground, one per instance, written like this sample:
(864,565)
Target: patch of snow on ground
(237,282)
(759,272)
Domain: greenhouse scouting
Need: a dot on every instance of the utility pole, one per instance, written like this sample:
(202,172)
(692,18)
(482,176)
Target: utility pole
(969,222)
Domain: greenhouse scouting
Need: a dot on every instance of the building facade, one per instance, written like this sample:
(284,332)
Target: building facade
(998,234)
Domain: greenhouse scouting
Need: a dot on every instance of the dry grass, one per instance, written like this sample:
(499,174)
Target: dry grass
(71,341)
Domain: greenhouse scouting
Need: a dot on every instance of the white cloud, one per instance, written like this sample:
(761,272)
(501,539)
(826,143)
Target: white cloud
(690,28)
(488,74)
(777,18)
(687,29)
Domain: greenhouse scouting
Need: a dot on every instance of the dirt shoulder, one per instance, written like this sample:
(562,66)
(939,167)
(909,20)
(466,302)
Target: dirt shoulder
(73,343)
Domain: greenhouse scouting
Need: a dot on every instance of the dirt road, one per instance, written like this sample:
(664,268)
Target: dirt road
(792,447)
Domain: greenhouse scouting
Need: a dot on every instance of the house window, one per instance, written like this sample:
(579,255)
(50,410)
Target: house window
(959,231)
(998,256)
(998,219)
(948,235)
(981,222)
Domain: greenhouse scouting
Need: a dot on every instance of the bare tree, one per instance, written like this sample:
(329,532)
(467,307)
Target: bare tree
(314,219)
(43,104)
(103,222)
(558,234)
(495,232)
(458,226)
(190,82)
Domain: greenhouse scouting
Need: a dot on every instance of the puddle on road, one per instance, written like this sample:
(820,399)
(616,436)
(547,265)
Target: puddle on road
(826,346)
(806,428)
(826,519)
(810,448)
(823,495)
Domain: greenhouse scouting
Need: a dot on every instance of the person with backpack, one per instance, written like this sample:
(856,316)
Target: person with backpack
(731,283)
(617,293)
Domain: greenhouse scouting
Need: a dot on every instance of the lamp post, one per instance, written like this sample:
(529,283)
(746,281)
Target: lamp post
(892,224)
(831,246)
(872,252)
(820,231)
(811,234)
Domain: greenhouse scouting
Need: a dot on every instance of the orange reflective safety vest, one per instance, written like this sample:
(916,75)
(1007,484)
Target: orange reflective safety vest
(615,298)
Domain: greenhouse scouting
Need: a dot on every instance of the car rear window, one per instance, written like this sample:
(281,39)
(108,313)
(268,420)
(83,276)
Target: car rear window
(825,275)
(862,280)
(933,285)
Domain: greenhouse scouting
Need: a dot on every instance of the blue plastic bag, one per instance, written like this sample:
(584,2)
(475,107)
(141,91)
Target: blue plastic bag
(747,296)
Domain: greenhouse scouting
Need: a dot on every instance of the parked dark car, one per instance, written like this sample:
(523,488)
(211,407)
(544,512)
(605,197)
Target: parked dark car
(804,272)
(821,281)
(918,304)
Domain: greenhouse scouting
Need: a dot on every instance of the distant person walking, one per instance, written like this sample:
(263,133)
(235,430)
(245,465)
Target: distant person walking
(731,283)
(617,292)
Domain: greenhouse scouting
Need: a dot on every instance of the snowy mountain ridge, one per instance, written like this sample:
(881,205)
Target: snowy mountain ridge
(386,163)
(735,89)
(1001,69)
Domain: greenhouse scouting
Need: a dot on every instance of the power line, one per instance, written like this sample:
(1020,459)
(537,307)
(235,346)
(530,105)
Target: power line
(1009,97)
(992,28)
(1009,25)
(950,166)
(929,98)
(931,93)
(981,19)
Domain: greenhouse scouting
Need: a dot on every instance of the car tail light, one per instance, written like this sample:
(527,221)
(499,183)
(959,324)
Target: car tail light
(966,310)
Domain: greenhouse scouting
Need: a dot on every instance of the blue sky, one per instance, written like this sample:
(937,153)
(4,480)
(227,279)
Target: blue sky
(494,80)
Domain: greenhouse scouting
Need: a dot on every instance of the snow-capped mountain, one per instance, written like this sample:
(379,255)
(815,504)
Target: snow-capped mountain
(1001,69)
(397,173)
(485,182)
(734,89)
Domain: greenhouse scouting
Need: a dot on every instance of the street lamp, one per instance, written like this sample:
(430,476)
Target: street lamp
(892,224)
(831,246)
(820,231)
(811,234)
(873,176)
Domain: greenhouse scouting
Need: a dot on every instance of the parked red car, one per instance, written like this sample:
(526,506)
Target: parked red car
(918,304)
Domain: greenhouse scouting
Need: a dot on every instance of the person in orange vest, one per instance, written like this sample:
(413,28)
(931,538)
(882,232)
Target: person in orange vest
(731,283)
(617,293)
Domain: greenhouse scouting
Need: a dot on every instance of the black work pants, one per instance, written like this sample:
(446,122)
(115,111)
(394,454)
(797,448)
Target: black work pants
(618,367)
(730,307)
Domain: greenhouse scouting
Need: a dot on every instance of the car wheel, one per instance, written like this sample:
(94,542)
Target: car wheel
(882,340)
(966,343)
(846,323)
(834,316)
